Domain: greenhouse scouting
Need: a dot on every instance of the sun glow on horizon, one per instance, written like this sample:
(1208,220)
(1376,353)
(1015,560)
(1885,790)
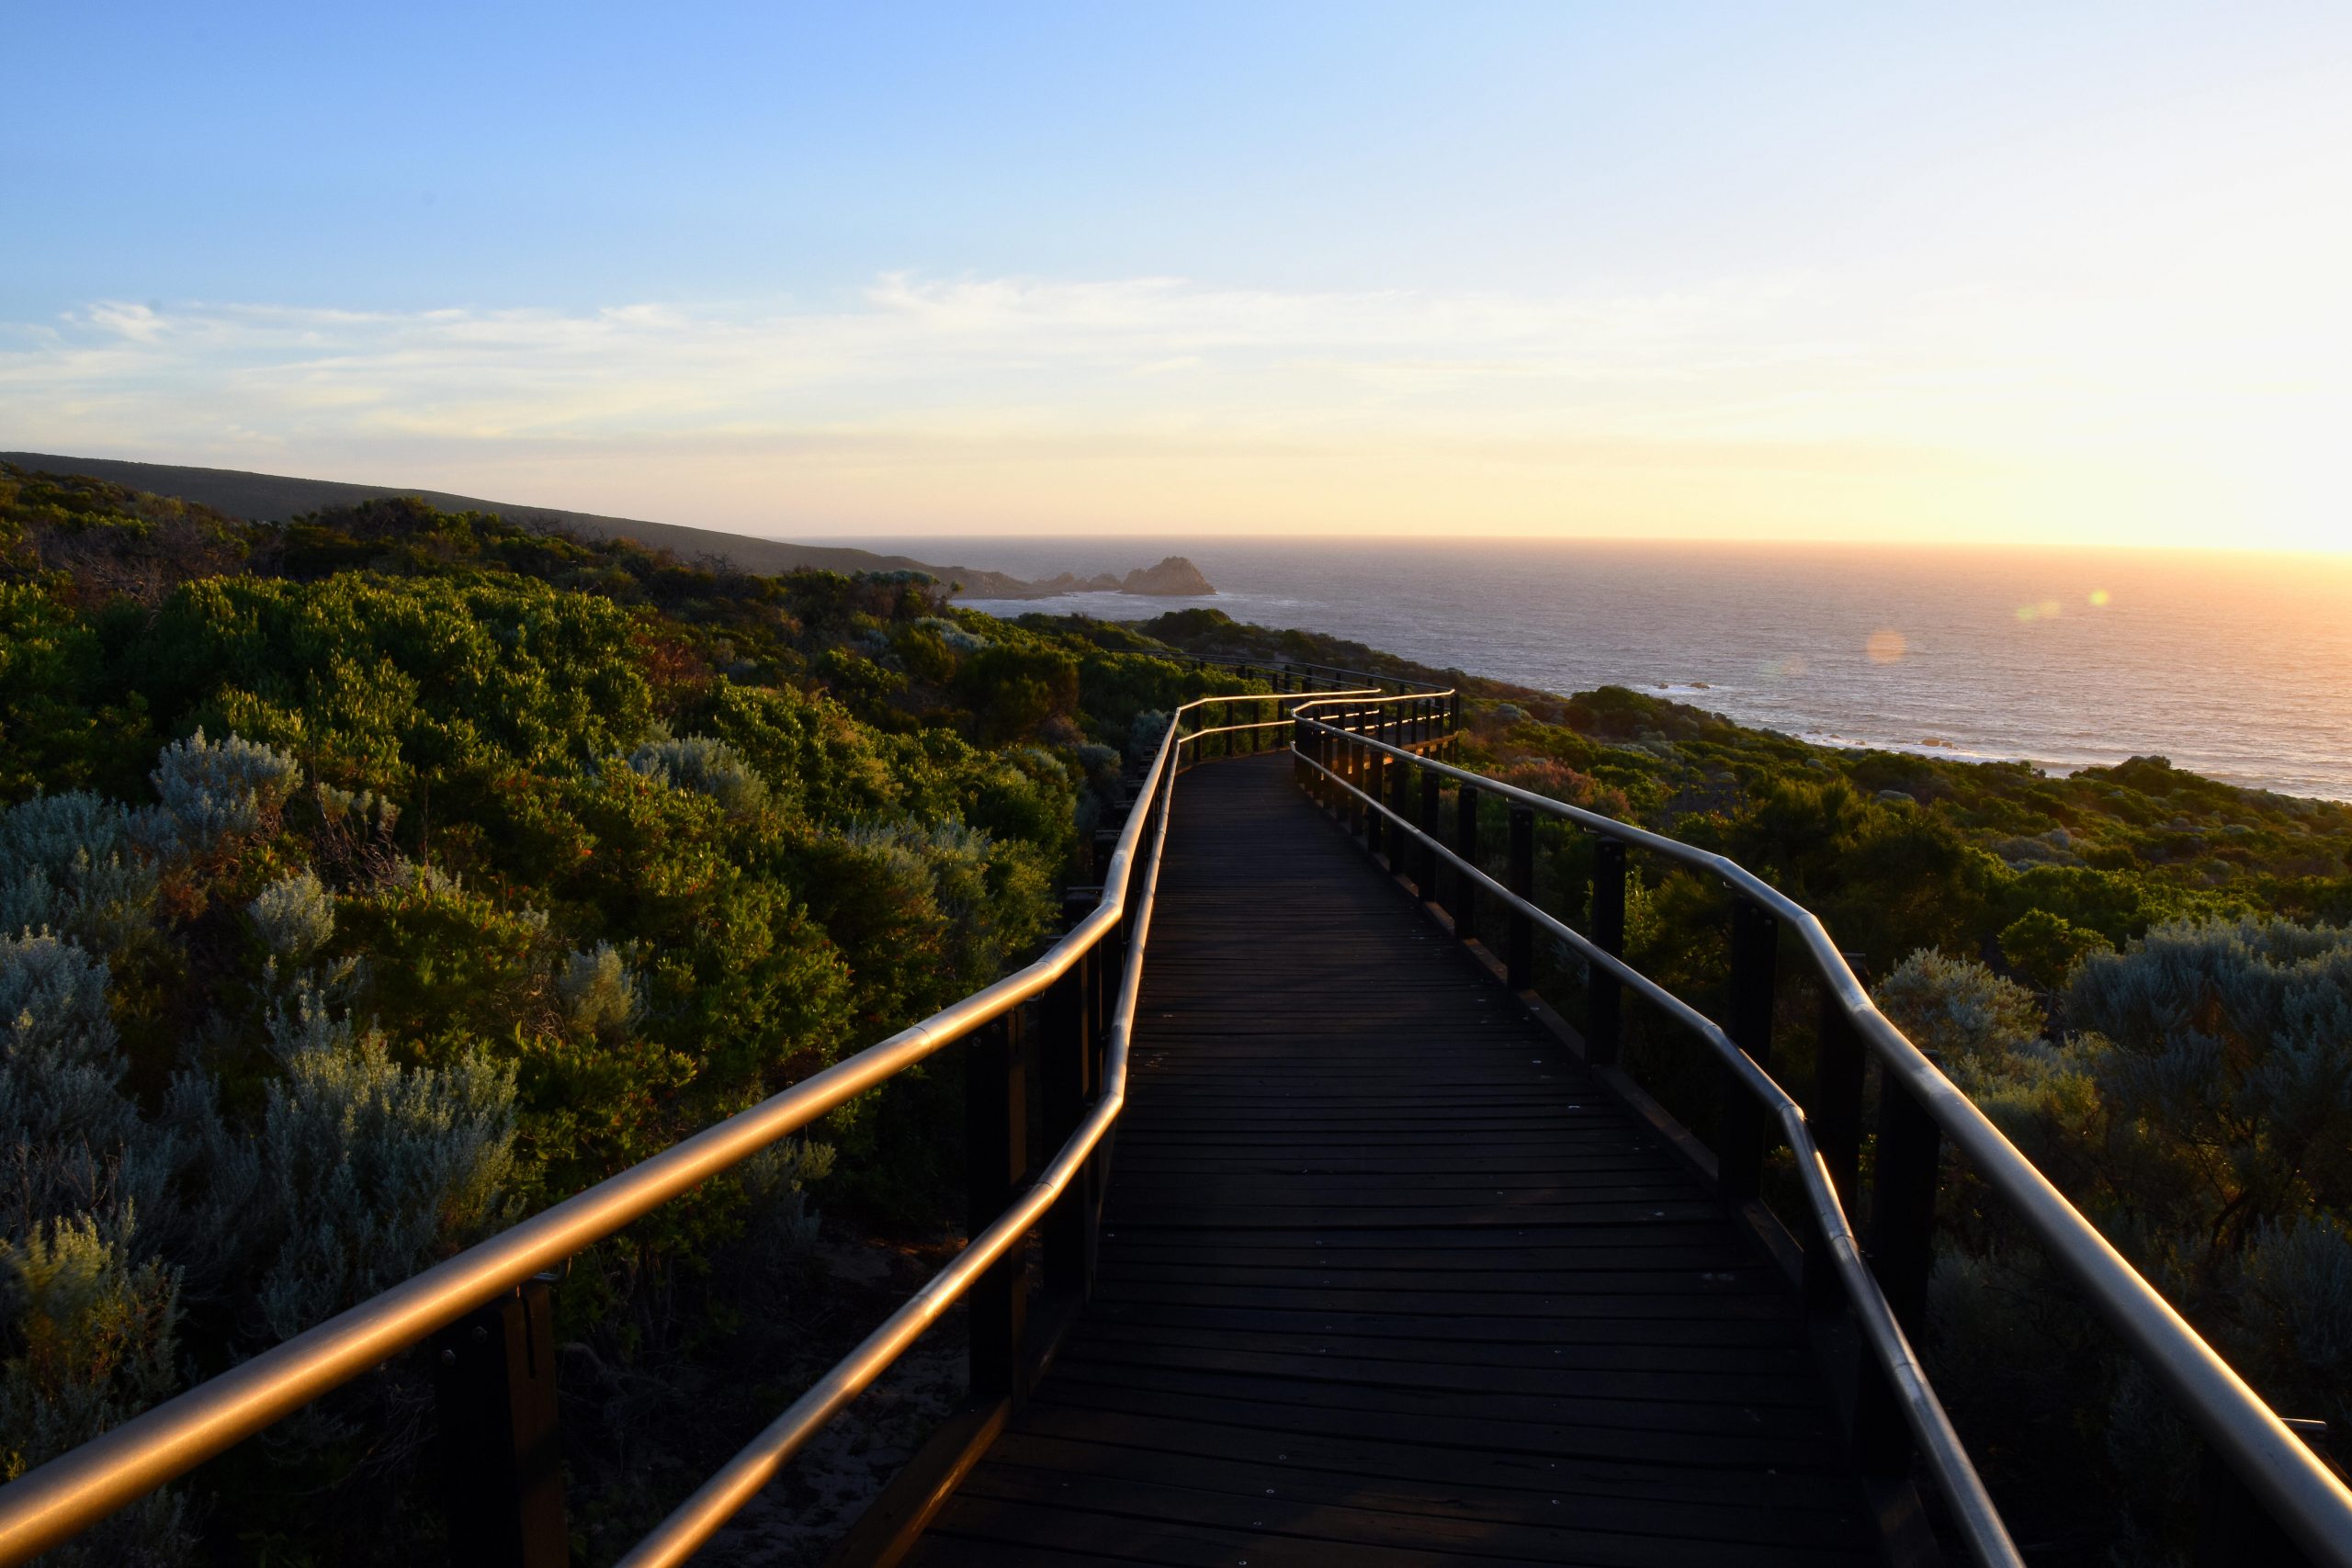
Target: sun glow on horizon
(2079,282)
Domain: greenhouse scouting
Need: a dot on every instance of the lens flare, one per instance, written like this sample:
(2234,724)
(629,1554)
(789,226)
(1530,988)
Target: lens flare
(1886,646)
(2100,597)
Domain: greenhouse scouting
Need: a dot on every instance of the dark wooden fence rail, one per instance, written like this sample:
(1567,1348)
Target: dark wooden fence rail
(2266,1496)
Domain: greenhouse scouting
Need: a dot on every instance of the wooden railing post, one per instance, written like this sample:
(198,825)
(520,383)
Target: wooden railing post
(1519,962)
(1466,844)
(1426,862)
(1375,789)
(1401,792)
(1346,753)
(1111,962)
(1837,1117)
(1837,1133)
(1901,1252)
(1755,943)
(1340,745)
(1334,748)
(1358,776)
(1902,1201)
(996,1146)
(1367,781)
(494,1384)
(1065,1058)
(1604,993)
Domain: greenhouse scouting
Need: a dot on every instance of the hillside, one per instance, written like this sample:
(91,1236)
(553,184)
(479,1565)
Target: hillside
(370,880)
(279,497)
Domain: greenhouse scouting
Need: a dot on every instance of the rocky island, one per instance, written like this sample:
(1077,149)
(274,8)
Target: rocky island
(1173,578)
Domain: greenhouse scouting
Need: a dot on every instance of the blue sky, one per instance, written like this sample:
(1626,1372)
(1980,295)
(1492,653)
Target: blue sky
(1731,271)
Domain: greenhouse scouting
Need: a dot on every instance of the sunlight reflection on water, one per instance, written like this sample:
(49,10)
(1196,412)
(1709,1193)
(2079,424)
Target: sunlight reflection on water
(2237,666)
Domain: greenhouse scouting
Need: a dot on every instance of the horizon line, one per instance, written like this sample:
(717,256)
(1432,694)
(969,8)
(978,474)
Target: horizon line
(917,533)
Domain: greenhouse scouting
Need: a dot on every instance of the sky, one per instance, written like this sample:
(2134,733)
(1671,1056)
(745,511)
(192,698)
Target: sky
(1997,274)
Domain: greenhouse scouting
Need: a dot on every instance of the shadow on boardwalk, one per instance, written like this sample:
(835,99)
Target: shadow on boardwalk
(1388,1277)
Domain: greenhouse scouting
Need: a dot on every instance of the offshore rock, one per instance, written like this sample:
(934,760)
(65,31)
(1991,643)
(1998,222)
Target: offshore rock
(1173,578)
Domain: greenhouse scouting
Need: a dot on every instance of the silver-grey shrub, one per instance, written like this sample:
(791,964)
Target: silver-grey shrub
(954,633)
(67,864)
(705,766)
(207,791)
(2224,1069)
(2236,1031)
(68,1138)
(2199,1109)
(368,1164)
(295,915)
(1988,1033)
(1959,1010)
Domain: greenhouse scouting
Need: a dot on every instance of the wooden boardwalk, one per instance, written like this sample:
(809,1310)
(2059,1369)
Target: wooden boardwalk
(1388,1277)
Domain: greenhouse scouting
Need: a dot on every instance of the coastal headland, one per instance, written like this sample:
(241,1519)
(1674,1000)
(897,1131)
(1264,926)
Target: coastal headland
(280,498)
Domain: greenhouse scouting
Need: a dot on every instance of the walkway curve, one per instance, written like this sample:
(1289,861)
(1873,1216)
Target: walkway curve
(1386,1278)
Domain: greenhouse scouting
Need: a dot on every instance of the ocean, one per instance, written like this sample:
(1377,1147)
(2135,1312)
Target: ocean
(2237,666)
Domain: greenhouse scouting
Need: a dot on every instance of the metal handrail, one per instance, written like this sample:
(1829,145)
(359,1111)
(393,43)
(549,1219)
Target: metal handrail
(699,1517)
(1979,1522)
(60,1499)
(719,1499)
(2307,1499)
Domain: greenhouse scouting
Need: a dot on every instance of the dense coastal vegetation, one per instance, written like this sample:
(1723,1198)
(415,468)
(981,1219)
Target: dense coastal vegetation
(2145,977)
(368,881)
(372,880)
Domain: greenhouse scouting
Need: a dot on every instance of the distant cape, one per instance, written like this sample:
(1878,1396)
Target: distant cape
(278,498)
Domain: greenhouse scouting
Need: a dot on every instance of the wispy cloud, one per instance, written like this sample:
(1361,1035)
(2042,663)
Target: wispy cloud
(1247,406)
(909,350)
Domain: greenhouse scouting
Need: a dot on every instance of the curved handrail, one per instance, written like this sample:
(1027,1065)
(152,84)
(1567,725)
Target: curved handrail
(699,1517)
(53,1503)
(1948,1461)
(2307,1498)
